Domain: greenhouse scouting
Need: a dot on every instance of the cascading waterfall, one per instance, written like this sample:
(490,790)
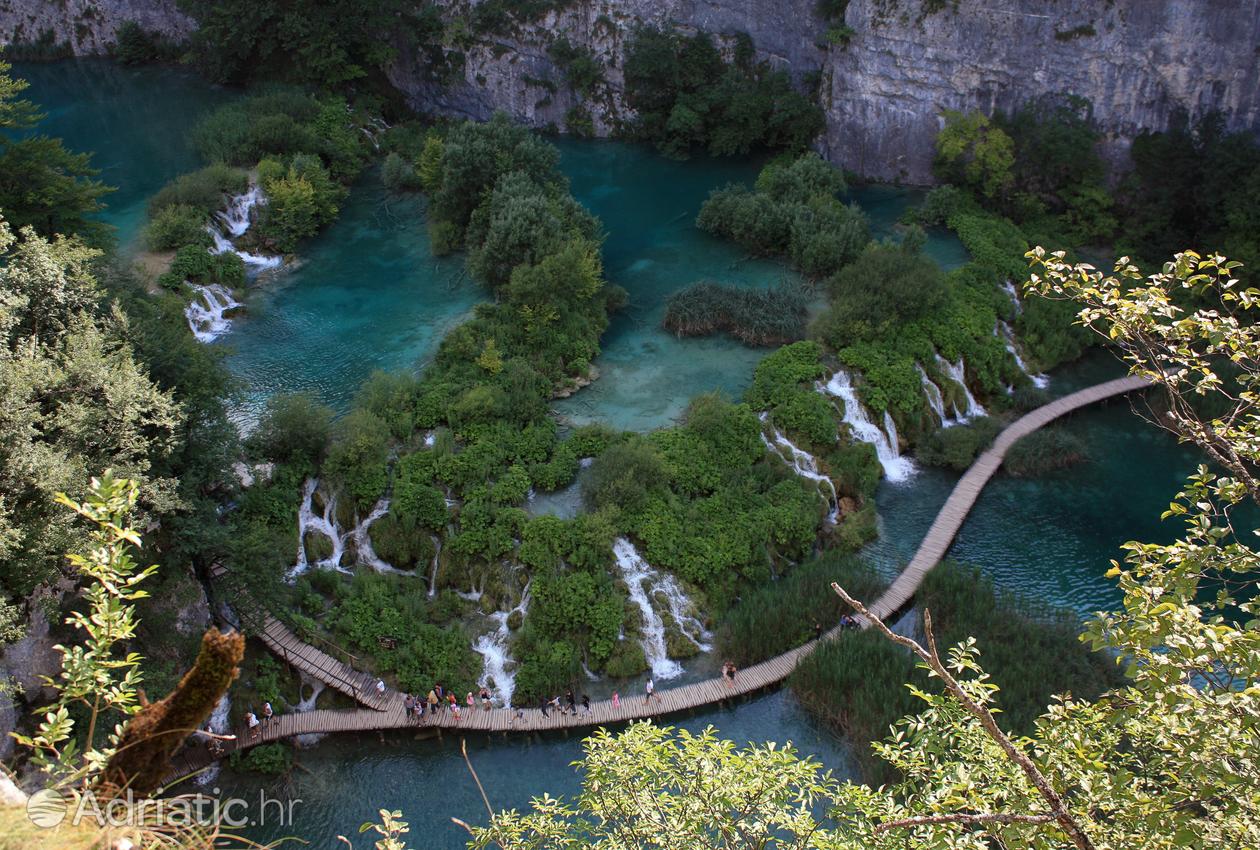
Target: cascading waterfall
(644,583)
(325,524)
(1040,381)
(935,400)
(206,312)
(957,373)
(219,721)
(493,646)
(307,703)
(1009,286)
(896,468)
(804,464)
(232,222)
(433,568)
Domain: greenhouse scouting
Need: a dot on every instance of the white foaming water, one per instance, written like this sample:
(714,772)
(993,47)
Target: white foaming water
(896,468)
(643,583)
(934,398)
(326,525)
(957,373)
(1040,381)
(498,671)
(219,721)
(804,464)
(433,568)
(232,222)
(206,312)
(308,704)
(1011,291)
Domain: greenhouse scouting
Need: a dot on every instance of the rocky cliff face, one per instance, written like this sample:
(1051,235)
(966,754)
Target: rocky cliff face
(87,26)
(1138,62)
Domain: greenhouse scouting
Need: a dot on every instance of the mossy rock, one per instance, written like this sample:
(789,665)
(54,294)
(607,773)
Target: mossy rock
(678,645)
(488,603)
(345,513)
(627,659)
(318,547)
(515,619)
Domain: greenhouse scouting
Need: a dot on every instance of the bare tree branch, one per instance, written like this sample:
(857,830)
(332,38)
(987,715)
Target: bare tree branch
(1058,808)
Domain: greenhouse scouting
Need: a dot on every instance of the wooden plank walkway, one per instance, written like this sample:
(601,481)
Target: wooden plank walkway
(386,711)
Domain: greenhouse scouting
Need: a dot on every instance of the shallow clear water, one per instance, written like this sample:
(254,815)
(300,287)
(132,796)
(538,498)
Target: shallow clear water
(135,121)
(369,295)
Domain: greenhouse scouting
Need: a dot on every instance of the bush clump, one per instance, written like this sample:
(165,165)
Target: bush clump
(204,189)
(176,226)
(760,317)
(1044,451)
(957,447)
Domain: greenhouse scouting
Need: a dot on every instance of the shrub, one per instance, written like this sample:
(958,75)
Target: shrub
(624,476)
(175,226)
(203,189)
(775,617)
(197,265)
(134,45)
(270,759)
(398,174)
(1044,451)
(753,316)
(293,429)
(957,447)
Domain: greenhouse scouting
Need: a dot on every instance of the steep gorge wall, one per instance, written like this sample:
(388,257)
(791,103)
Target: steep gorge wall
(87,27)
(1138,62)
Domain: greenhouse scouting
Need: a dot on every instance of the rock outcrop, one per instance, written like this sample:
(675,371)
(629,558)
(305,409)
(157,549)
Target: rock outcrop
(886,76)
(87,27)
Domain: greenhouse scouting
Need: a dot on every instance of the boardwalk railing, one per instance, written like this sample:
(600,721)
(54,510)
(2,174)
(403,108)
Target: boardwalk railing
(385,710)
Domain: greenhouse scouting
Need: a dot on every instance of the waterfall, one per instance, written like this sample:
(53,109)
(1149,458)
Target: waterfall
(644,583)
(205,313)
(437,551)
(325,524)
(1011,291)
(804,464)
(957,373)
(308,704)
(232,222)
(934,398)
(219,723)
(493,647)
(896,468)
(1040,381)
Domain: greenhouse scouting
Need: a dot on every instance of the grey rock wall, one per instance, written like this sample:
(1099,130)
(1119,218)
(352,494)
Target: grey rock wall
(88,26)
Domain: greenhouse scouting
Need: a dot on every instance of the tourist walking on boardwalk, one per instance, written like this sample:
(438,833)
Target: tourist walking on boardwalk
(454,708)
(451,702)
(555,703)
(542,706)
(251,721)
(468,700)
(380,686)
(568,697)
(433,701)
(817,631)
(409,705)
(485,698)
(726,674)
(730,674)
(268,714)
(616,700)
(586,704)
(650,689)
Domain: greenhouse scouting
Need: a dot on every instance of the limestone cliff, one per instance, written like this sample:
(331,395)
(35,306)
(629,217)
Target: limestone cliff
(885,81)
(87,27)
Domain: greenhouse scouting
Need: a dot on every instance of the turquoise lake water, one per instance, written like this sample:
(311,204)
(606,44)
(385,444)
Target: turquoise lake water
(369,295)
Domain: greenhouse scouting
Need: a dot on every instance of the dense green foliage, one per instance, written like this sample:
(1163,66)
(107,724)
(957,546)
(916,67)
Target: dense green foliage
(793,212)
(321,43)
(958,446)
(134,45)
(857,683)
(1044,451)
(202,190)
(43,185)
(686,97)
(775,617)
(753,316)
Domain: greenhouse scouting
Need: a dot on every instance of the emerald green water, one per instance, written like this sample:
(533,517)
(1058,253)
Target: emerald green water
(369,295)
(135,121)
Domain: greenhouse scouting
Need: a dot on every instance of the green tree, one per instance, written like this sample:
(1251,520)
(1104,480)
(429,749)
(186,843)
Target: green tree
(43,185)
(971,151)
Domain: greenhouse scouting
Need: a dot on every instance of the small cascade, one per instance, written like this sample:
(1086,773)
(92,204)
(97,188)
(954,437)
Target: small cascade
(681,609)
(232,222)
(934,398)
(1040,381)
(1009,286)
(896,468)
(219,723)
(325,524)
(644,583)
(957,373)
(805,465)
(206,312)
(493,647)
(433,568)
(307,703)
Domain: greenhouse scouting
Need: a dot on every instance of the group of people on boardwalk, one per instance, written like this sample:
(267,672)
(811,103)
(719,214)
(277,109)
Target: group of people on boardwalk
(440,698)
(568,706)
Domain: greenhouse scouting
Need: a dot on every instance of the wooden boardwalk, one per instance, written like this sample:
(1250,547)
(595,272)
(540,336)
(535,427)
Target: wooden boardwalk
(385,710)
